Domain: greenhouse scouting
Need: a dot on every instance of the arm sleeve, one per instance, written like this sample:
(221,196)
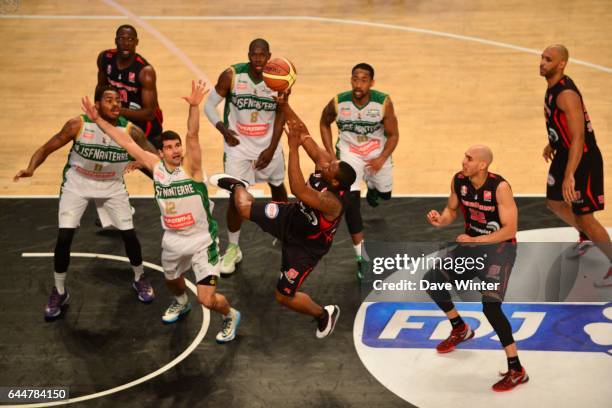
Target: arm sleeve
(210,108)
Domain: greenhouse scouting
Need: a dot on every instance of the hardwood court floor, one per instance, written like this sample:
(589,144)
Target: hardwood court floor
(450,88)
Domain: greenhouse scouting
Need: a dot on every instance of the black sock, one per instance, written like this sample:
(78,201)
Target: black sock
(514,364)
(583,236)
(457,322)
(322,320)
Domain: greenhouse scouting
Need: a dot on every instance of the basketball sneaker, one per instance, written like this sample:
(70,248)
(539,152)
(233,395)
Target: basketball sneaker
(230,325)
(328,321)
(372,197)
(227,182)
(54,307)
(144,290)
(360,264)
(231,257)
(510,379)
(580,248)
(458,335)
(606,281)
(175,312)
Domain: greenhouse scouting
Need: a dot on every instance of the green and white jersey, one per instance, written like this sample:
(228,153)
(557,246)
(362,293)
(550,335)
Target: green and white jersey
(183,203)
(360,130)
(95,155)
(249,111)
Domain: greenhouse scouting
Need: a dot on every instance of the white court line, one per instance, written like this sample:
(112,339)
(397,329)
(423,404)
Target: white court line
(435,33)
(196,342)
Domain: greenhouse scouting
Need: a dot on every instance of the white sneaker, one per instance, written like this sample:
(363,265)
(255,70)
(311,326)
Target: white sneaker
(606,281)
(230,325)
(328,321)
(175,312)
(579,249)
(231,257)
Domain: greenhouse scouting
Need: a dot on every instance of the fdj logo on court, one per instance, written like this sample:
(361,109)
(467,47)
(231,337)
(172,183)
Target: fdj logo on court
(545,327)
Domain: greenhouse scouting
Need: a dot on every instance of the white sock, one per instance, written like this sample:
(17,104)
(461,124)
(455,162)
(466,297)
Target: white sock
(233,237)
(183,299)
(60,279)
(138,272)
(358,248)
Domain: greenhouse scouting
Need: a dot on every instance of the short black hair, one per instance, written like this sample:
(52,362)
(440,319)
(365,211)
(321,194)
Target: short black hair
(126,27)
(259,42)
(346,176)
(101,89)
(365,67)
(165,135)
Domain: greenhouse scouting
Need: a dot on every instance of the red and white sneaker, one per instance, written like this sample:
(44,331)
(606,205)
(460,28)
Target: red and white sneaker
(458,335)
(606,281)
(579,249)
(511,379)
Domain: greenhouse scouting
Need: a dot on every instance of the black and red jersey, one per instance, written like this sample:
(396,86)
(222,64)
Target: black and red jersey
(127,81)
(308,226)
(559,136)
(479,206)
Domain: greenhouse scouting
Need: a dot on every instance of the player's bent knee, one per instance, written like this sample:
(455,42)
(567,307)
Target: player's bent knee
(282,297)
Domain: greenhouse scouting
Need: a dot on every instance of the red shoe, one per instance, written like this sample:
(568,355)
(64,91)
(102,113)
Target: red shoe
(511,379)
(458,335)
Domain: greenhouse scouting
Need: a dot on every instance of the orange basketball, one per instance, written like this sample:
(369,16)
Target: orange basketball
(279,74)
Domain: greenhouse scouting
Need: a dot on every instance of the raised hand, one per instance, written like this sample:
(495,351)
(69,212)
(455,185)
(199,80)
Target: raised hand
(89,108)
(198,92)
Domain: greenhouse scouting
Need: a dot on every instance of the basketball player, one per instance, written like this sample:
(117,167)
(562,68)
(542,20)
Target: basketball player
(190,236)
(251,128)
(306,228)
(491,217)
(367,135)
(94,172)
(135,79)
(575,187)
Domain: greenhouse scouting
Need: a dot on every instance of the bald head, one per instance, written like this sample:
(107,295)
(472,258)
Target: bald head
(481,153)
(560,50)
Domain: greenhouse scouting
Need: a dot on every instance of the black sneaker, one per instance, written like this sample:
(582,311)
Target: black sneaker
(328,321)
(227,182)
(372,197)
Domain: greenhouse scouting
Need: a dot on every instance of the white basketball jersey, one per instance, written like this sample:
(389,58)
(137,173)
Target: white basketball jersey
(183,203)
(95,155)
(360,130)
(249,111)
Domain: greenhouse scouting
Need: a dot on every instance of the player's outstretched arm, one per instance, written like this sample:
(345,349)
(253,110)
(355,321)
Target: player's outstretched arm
(508,216)
(65,135)
(325,202)
(295,126)
(147,159)
(449,214)
(193,154)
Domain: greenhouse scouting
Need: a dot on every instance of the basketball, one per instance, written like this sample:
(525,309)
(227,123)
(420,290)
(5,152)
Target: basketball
(279,74)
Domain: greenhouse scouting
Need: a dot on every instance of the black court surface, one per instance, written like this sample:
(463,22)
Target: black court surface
(108,339)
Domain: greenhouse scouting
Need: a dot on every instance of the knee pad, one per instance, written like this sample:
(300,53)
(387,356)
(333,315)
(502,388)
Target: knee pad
(385,196)
(354,221)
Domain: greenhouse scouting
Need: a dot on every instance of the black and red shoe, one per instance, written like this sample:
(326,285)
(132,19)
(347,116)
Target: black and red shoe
(458,335)
(510,379)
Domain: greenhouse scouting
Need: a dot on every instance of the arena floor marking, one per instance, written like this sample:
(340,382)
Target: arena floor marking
(196,342)
(169,44)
